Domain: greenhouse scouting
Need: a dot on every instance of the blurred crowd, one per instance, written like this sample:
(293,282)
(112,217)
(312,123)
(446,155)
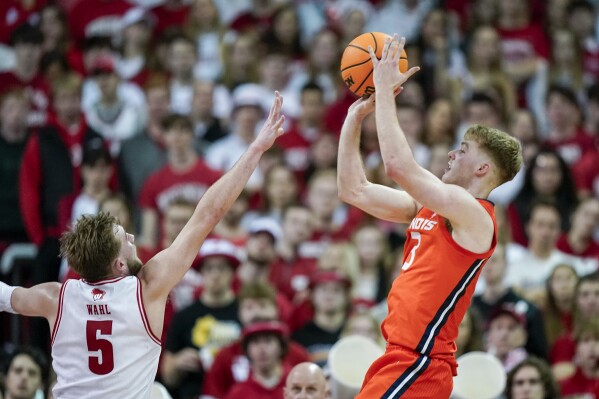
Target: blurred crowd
(135,107)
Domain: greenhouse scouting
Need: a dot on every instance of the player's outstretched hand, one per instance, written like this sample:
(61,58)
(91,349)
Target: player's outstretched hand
(272,127)
(386,72)
(362,107)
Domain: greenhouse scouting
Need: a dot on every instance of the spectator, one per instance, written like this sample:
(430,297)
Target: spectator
(579,240)
(257,301)
(14,107)
(265,344)
(469,333)
(531,378)
(505,336)
(330,298)
(580,20)
(363,323)
(330,216)
(260,249)
(524,127)
(27,43)
(197,332)
(411,119)
(26,374)
(240,60)
(372,281)
(230,226)
(185,175)
(404,17)
(565,134)
(440,123)
(115,119)
(496,294)
(54,27)
(134,46)
(306,379)
(283,33)
(290,273)
(170,14)
(306,129)
(89,18)
(586,308)
(547,177)
(247,112)
(559,307)
(485,69)
(57,147)
(480,109)
(118,206)
(280,190)
(207,126)
(182,57)
(16,13)
(529,267)
(144,154)
(586,376)
(204,25)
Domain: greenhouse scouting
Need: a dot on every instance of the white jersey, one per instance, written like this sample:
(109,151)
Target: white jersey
(102,344)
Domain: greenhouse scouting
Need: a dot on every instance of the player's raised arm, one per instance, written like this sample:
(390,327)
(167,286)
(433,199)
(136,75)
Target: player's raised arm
(354,188)
(167,268)
(477,170)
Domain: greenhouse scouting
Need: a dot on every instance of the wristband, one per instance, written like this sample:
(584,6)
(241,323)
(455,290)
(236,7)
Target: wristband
(5,296)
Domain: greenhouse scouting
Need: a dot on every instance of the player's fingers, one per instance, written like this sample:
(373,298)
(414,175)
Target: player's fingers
(386,46)
(411,72)
(399,48)
(372,56)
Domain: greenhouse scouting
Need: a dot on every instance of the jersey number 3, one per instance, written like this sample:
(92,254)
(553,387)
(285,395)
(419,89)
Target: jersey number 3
(414,235)
(102,363)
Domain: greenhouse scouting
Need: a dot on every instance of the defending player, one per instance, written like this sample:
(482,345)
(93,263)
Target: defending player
(452,233)
(105,326)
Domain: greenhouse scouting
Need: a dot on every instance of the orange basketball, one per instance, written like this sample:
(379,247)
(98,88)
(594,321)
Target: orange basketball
(356,66)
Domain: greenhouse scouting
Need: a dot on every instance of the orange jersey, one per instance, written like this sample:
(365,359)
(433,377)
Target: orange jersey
(430,296)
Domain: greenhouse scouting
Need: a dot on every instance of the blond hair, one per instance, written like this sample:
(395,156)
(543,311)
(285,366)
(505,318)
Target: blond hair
(504,150)
(91,246)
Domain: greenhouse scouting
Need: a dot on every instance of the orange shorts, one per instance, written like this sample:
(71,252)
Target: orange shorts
(402,373)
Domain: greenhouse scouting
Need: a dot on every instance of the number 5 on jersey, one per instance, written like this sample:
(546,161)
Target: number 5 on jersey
(103,362)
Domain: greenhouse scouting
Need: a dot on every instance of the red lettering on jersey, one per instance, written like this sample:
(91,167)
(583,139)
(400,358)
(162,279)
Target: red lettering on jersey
(89,309)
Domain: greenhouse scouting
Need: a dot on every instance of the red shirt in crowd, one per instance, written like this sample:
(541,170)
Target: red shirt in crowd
(252,389)
(231,366)
(38,92)
(592,251)
(30,177)
(96,18)
(291,277)
(14,14)
(586,173)
(168,17)
(523,43)
(166,184)
(574,148)
(579,384)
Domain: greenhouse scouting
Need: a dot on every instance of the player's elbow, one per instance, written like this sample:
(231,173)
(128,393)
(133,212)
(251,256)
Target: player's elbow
(399,170)
(348,193)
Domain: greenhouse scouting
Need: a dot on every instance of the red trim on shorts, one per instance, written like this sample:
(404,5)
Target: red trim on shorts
(58,313)
(106,281)
(144,316)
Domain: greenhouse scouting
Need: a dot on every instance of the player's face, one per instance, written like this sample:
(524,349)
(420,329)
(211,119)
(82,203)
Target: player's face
(264,351)
(462,164)
(527,384)
(129,251)
(24,378)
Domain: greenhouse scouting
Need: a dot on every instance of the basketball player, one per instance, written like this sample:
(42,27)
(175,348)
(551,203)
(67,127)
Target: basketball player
(451,235)
(105,326)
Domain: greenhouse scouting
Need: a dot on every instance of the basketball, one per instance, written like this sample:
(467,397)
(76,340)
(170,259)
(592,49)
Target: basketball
(356,65)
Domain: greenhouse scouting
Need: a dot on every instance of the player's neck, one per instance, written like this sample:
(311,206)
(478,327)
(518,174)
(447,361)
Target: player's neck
(479,189)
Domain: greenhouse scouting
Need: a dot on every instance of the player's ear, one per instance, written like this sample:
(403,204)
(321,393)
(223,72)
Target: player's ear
(119,267)
(482,169)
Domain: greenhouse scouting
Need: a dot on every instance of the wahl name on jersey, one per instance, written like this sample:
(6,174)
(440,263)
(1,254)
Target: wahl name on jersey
(96,310)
